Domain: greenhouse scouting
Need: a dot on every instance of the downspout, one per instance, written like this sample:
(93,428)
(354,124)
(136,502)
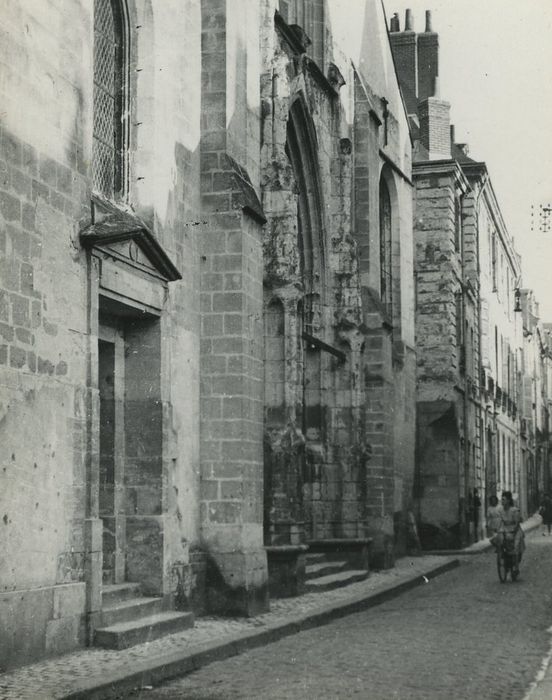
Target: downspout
(464,533)
(483,433)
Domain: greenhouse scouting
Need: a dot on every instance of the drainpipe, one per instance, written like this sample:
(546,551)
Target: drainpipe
(482,447)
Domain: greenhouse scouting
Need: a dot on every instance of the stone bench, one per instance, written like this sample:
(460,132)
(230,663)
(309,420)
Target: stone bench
(354,550)
(286,569)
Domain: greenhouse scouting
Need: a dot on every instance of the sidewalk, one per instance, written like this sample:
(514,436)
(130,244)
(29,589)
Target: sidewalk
(541,689)
(100,673)
(484,545)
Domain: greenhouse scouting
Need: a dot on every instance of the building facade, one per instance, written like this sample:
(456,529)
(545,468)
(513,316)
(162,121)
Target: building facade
(481,396)
(206,305)
(534,391)
(448,450)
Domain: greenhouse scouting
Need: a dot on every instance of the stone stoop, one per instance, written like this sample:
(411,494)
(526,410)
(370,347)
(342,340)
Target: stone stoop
(324,574)
(128,618)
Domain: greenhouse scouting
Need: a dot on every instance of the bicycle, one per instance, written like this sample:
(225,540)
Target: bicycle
(507,560)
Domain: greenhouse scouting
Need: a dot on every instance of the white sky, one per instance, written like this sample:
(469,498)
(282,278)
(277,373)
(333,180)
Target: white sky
(496,71)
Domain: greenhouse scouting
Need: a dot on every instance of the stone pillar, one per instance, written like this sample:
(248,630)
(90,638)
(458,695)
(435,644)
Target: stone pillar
(378,432)
(231,429)
(93,526)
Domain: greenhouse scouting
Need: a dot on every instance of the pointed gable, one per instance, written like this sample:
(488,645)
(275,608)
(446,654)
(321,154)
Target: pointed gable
(127,238)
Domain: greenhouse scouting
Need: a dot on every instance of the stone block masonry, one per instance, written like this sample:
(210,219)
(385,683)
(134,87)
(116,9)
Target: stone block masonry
(44,193)
(41,367)
(232,348)
(186,374)
(51,535)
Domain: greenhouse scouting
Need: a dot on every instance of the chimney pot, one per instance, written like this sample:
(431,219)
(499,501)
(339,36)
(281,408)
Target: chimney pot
(395,23)
(428,21)
(436,87)
(408,21)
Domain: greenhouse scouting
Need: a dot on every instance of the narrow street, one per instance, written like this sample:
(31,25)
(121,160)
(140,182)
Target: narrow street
(464,635)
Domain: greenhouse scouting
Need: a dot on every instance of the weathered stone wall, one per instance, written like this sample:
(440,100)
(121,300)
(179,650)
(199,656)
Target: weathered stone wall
(447,321)
(43,349)
(46,348)
(205,147)
(313,493)
(231,299)
(437,282)
(332,463)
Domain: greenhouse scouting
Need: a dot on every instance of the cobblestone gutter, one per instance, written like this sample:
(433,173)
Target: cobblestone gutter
(97,673)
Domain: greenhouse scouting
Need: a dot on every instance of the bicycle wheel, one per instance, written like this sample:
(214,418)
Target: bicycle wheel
(515,568)
(501,567)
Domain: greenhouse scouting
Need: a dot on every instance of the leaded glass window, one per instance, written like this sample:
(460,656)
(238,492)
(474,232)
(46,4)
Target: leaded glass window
(386,273)
(108,71)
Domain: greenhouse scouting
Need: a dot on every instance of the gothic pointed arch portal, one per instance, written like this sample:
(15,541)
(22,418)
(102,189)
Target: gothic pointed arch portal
(389,250)
(301,149)
(296,428)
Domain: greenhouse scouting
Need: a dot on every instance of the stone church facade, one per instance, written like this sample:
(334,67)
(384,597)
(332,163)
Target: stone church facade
(207,359)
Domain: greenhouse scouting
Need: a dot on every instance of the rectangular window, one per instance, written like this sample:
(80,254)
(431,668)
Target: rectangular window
(457,224)
(504,465)
(473,361)
(460,336)
(493,262)
(459,318)
(509,302)
(496,374)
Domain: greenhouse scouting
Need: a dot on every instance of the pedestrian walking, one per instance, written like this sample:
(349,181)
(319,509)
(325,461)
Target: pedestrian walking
(493,517)
(546,513)
(476,509)
(510,525)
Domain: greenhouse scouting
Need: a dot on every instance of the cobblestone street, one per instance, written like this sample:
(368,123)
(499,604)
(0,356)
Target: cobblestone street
(464,635)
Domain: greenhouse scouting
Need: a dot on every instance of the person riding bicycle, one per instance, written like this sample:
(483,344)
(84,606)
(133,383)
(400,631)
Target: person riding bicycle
(509,530)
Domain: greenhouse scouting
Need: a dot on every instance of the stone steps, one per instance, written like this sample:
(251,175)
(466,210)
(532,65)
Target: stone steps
(130,609)
(323,568)
(337,580)
(315,557)
(128,618)
(116,592)
(145,629)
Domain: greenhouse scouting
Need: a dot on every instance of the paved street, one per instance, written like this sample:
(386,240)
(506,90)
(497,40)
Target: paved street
(463,635)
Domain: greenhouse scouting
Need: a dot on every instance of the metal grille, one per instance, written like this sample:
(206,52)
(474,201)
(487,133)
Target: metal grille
(105,104)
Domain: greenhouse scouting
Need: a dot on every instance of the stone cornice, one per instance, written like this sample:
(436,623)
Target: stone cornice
(114,225)
(442,167)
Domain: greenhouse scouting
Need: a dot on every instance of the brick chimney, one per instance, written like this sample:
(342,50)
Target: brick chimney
(435,133)
(428,60)
(405,53)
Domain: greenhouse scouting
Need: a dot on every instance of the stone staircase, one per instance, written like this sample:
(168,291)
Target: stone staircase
(324,572)
(128,618)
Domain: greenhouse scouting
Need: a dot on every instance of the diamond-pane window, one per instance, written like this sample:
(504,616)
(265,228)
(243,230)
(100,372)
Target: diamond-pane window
(386,274)
(107,129)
